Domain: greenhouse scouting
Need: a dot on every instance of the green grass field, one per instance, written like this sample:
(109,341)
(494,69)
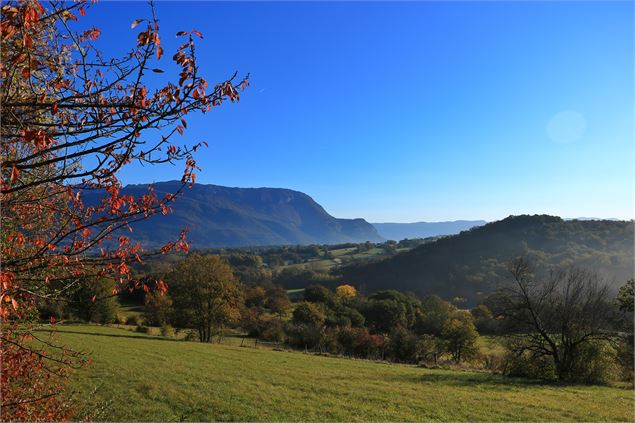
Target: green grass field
(139,377)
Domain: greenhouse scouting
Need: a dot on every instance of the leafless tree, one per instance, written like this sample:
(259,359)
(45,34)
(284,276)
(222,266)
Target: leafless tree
(556,316)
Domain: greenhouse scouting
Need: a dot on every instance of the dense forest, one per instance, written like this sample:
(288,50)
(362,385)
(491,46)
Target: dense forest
(474,263)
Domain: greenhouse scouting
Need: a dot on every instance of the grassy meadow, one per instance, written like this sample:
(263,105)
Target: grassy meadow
(140,377)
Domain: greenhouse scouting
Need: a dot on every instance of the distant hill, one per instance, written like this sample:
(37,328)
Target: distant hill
(474,263)
(218,216)
(399,231)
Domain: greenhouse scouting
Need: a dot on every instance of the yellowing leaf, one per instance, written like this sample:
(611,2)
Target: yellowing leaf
(135,23)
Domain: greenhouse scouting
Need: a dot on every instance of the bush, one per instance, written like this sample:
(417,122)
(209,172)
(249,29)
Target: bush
(524,365)
(428,349)
(141,329)
(273,331)
(596,363)
(167,330)
(120,319)
(402,345)
(51,309)
(359,342)
(94,302)
(191,335)
(625,357)
(309,314)
(301,335)
(133,320)
(158,309)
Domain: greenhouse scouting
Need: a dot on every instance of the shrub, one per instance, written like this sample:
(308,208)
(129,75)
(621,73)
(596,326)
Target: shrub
(402,345)
(253,321)
(158,309)
(527,366)
(120,319)
(596,363)
(191,335)
(309,314)
(303,336)
(625,357)
(133,320)
(94,302)
(273,331)
(318,294)
(428,349)
(141,329)
(167,330)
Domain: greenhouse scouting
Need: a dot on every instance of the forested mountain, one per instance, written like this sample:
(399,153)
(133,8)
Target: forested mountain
(399,231)
(218,216)
(474,263)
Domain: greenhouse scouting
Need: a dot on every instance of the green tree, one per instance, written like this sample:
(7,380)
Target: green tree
(278,301)
(318,294)
(309,314)
(158,309)
(436,313)
(384,315)
(428,349)
(460,335)
(96,302)
(205,293)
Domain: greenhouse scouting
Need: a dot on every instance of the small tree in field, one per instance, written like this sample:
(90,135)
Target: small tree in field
(278,301)
(72,119)
(158,309)
(460,335)
(205,294)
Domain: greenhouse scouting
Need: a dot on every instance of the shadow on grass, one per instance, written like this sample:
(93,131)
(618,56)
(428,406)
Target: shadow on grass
(470,379)
(459,378)
(112,335)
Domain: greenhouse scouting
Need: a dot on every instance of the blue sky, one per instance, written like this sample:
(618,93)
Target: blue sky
(412,111)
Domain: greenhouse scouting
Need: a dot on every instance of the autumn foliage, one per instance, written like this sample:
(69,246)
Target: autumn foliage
(72,119)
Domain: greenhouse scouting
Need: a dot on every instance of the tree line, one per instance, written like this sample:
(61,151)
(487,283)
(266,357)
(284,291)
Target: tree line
(559,325)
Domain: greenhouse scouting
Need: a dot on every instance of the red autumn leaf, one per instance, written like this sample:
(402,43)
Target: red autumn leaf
(14,173)
(54,109)
(197,33)
(181,33)
(82,11)
(94,298)
(157,70)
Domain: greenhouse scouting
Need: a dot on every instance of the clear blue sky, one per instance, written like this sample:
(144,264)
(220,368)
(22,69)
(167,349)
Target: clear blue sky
(413,111)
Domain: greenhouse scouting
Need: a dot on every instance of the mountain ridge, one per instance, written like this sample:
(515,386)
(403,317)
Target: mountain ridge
(219,216)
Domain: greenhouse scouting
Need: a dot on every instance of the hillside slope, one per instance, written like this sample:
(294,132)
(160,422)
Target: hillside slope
(135,377)
(218,216)
(474,263)
(399,231)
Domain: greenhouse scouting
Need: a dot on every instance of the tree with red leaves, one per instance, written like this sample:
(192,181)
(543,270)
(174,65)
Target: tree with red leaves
(72,118)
